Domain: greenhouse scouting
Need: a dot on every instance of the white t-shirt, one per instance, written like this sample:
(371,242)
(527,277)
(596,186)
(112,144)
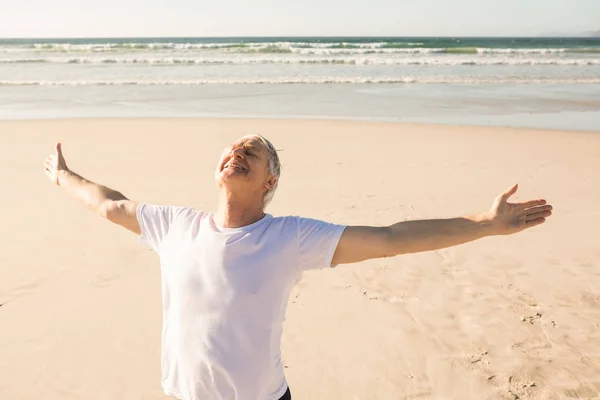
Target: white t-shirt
(225,292)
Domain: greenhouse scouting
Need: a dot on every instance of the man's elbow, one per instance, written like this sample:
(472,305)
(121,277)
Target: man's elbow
(393,243)
(111,210)
(105,209)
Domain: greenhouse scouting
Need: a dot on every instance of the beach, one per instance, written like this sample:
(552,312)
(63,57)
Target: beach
(510,317)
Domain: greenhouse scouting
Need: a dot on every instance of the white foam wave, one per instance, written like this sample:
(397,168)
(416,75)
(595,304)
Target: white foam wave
(101,47)
(316,80)
(441,50)
(306,48)
(308,60)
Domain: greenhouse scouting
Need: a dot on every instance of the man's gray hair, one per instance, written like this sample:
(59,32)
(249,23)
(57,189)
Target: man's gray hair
(274,165)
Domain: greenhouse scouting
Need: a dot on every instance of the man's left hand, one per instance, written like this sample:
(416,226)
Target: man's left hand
(508,218)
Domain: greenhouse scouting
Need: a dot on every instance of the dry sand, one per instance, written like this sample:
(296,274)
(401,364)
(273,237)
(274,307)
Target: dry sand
(506,317)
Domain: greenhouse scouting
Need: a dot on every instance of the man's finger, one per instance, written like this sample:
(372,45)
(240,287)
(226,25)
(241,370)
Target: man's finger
(535,222)
(537,215)
(510,192)
(533,210)
(532,203)
(58,149)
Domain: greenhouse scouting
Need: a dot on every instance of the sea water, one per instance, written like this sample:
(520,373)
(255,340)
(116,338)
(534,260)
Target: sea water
(536,82)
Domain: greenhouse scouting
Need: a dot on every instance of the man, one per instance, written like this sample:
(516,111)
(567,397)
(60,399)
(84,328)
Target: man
(226,276)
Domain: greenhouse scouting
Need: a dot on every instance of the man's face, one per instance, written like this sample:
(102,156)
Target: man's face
(245,164)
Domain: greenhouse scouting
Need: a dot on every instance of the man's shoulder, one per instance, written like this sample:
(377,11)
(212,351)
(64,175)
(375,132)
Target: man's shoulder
(299,221)
(285,220)
(298,224)
(285,223)
(170,211)
(189,213)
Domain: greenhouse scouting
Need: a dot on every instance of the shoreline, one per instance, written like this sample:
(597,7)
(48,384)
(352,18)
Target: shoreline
(557,107)
(291,119)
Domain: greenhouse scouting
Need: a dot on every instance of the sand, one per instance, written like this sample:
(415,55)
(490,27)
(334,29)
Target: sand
(515,317)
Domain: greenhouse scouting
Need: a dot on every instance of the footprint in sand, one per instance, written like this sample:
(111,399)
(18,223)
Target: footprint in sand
(369,282)
(582,392)
(20,291)
(477,361)
(398,298)
(513,387)
(590,299)
(27,288)
(535,337)
(532,319)
(587,265)
(520,388)
(104,280)
(425,394)
(373,284)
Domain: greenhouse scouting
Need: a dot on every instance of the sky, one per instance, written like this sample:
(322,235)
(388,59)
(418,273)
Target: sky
(137,18)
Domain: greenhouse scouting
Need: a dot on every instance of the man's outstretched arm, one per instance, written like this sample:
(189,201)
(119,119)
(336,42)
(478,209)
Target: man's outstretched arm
(107,202)
(359,243)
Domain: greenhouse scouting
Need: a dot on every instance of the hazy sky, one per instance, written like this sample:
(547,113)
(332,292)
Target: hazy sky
(114,18)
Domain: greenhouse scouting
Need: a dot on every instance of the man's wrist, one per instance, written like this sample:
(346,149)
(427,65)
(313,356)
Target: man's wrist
(61,175)
(487,223)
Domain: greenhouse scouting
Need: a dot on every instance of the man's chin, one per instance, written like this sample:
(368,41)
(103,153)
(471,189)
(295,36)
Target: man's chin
(225,179)
(232,175)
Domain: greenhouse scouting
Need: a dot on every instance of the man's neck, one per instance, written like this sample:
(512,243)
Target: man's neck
(235,213)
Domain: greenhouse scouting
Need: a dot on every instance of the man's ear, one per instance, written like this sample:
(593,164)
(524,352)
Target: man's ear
(271,182)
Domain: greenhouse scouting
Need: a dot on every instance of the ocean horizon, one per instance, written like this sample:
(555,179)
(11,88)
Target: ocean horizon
(590,35)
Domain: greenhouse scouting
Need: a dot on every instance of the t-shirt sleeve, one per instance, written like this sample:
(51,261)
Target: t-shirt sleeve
(317,241)
(155,222)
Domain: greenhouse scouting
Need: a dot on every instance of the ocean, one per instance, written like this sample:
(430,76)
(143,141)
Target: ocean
(530,82)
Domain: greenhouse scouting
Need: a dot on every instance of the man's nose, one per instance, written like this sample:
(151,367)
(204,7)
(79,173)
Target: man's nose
(237,153)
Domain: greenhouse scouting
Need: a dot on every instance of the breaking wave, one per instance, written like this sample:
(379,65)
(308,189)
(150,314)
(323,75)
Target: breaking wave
(314,80)
(154,61)
(287,47)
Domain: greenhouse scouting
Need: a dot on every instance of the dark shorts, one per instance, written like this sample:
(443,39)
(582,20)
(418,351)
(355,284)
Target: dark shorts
(287,395)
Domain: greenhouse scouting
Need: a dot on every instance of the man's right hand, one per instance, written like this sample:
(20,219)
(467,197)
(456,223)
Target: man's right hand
(55,164)
(107,202)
